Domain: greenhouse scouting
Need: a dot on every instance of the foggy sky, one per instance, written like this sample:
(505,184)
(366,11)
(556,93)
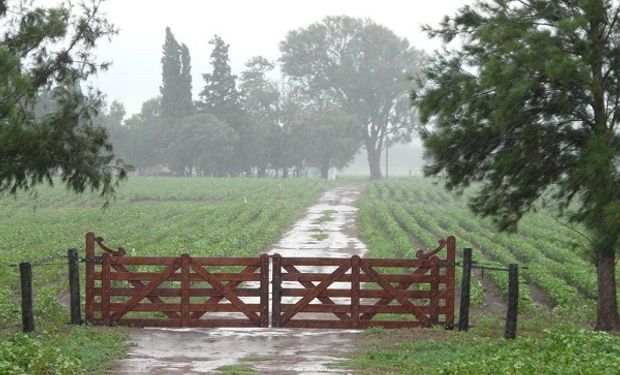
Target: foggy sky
(251,27)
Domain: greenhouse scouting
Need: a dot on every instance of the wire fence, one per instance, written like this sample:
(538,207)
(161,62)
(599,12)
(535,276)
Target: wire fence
(56,263)
(46,262)
(477,314)
(34,264)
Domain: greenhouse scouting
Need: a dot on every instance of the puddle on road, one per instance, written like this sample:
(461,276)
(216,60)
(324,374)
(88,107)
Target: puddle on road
(202,351)
(334,217)
(326,230)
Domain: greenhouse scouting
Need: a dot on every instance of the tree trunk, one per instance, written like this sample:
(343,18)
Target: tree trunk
(607,318)
(177,171)
(325,171)
(374,163)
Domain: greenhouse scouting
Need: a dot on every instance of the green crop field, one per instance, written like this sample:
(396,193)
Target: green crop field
(399,216)
(150,216)
(557,293)
(240,217)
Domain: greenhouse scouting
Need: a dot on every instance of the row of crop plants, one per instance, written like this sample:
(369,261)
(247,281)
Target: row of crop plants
(436,223)
(506,249)
(413,216)
(564,281)
(381,224)
(552,252)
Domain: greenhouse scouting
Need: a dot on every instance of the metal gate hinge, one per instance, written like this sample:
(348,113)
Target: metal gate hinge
(95,260)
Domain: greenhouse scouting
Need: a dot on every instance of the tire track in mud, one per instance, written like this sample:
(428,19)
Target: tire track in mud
(327,229)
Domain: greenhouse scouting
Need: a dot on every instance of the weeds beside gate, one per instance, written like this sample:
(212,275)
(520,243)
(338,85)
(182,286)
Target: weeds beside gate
(187,291)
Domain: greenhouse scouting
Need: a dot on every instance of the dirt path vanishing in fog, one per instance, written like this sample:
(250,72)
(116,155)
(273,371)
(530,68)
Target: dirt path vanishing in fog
(326,230)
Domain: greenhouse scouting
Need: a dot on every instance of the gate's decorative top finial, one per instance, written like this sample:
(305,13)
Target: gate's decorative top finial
(420,254)
(118,252)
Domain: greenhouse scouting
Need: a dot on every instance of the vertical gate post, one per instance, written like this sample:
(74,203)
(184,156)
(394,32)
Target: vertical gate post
(276,290)
(25,275)
(105,289)
(90,277)
(264,290)
(465,291)
(74,286)
(355,291)
(450,281)
(434,290)
(185,284)
(513,301)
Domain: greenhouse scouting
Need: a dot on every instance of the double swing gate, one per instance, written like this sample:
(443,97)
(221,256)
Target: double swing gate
(269,290)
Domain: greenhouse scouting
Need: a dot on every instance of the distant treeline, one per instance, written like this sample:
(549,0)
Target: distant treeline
(345,84)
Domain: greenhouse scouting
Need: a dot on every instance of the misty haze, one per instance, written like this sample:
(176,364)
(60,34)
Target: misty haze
(287,187)
(339,89)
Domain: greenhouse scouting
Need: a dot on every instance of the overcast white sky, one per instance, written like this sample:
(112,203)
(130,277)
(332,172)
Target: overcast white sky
(251,27)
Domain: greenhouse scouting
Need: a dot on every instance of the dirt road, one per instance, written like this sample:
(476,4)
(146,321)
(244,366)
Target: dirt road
(326,230)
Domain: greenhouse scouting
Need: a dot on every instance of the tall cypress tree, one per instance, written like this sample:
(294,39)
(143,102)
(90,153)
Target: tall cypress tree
(176,96)
(171,76)
(185,81)
(176,89)
(221,98)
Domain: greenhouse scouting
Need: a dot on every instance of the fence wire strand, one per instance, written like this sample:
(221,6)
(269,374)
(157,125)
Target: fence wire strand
(51,261)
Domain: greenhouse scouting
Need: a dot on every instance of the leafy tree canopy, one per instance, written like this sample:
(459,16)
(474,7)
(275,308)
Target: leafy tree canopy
(529,104)
(47,52)
(201,144)
(361,66)
(140,138)
(327,138)
(260,96)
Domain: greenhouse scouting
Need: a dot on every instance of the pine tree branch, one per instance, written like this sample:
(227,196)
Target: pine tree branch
(571,228)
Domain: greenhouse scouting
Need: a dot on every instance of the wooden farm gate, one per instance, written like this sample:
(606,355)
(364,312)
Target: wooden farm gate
(187,291)
(174,291)
(352,292)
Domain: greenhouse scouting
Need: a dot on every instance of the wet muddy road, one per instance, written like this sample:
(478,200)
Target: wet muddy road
(326,230)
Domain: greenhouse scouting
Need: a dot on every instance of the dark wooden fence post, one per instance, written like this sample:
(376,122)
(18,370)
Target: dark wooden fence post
(74,286)
(513,301)
(25,273)
(465,291)
(450,278)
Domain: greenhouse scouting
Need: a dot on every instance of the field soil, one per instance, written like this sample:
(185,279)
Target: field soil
(326,230)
